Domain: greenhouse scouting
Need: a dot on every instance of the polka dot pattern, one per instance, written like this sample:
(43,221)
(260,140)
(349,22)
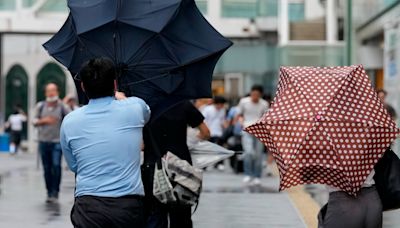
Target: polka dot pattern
(325,126)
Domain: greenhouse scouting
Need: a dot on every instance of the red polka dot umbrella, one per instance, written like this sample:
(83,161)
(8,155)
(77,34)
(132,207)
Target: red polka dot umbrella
(326,126)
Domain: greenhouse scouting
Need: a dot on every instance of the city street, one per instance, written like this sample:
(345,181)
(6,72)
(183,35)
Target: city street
(225,202)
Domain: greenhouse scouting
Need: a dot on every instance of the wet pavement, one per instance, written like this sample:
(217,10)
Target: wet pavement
(22,200)
(225,201)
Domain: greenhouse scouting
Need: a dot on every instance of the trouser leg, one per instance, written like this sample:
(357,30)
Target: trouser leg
(56,169)
(45,154)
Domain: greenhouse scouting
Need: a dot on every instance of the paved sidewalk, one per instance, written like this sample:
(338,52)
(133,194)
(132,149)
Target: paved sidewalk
(10,162)
(225,201)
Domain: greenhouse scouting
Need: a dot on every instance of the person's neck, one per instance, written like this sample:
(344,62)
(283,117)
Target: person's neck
(99,98)
(52,103)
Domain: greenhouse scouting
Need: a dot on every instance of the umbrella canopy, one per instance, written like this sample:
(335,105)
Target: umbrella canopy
(326,126)
(205,153)
(165,50)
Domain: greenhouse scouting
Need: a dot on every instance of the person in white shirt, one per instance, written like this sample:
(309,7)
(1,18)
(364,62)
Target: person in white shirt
(251,110)
(214,117)
(15,124)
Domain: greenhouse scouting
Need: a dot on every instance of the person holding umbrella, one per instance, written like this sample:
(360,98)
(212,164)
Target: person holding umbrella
(169,133)
(328,126)
(102,143)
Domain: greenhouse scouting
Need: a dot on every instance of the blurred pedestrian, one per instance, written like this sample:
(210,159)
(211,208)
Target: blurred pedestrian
(170,133)
(200,104)
(102,143)
(70,101)
(48,117)
(15,124)
(251,109)
(232,137)
(214,117)
(2,127)
(382,94)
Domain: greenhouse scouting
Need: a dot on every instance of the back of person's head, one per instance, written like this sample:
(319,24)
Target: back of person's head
(258,88)
(219,100)
(97,76)
(17,109)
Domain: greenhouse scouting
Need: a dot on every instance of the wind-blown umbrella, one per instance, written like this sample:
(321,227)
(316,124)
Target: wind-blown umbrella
(165,50)
(327,126)
(205,153)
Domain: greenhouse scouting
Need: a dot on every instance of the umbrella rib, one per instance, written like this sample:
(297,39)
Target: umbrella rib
(147,50)
(302,142)
(298,89)
(338,157)
(341,87)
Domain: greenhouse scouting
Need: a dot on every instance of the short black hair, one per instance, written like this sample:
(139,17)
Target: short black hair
(97,76)
(258,88)
(219,100)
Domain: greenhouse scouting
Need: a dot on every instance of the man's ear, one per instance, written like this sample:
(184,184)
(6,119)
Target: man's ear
(83,87)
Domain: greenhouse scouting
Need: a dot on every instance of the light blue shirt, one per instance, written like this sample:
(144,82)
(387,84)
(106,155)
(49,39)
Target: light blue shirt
(102,142)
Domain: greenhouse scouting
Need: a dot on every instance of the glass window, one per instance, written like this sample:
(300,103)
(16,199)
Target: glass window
(7,5)
(268,8)
(55,6)
(202,5)
(239,8)
(296,12)
(388,2)
(249,8)
(28,3)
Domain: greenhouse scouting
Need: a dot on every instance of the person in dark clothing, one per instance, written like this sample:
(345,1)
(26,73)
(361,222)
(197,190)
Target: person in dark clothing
(169,132)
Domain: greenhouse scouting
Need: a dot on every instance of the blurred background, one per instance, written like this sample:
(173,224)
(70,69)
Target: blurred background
(266,35)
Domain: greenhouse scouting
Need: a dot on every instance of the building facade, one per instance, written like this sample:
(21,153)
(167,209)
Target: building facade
(377,44)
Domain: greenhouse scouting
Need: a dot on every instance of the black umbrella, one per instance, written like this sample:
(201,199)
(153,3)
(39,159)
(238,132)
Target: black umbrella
(165,50)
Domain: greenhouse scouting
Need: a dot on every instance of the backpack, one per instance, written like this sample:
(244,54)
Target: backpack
(41,108)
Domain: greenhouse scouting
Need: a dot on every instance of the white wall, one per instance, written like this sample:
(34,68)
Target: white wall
(314,9)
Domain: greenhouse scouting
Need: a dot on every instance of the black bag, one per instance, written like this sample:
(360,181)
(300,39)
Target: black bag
(387,180)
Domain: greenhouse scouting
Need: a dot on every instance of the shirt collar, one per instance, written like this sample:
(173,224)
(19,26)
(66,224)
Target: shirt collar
(101,100)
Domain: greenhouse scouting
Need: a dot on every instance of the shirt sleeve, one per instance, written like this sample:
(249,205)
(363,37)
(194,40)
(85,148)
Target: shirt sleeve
(23,118)
(37,111)
(240,108)
(206,112)
(66,149)
(193,115)
(146,110)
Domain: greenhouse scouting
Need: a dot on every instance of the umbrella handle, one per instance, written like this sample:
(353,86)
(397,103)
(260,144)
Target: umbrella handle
(115,85)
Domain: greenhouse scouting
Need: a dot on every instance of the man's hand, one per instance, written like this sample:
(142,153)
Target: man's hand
(120,95)
(48,120)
